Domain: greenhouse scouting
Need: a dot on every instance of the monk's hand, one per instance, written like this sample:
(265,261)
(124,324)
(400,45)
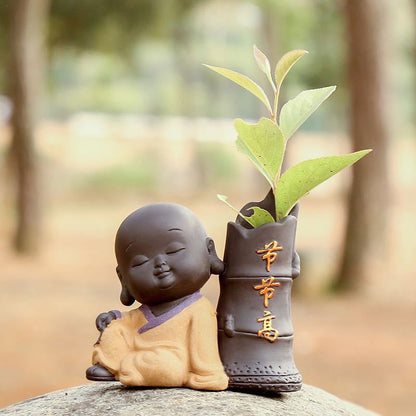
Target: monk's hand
(104,319)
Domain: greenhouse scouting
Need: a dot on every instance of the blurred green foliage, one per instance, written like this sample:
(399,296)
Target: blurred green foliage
(140,173)
(213,165)
(112,27)
(145,56)
(217,164)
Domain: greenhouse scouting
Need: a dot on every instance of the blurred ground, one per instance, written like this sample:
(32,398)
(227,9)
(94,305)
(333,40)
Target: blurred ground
(361,349)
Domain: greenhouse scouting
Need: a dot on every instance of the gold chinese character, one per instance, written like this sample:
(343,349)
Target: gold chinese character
(266,289)
(269,253)
(268,332)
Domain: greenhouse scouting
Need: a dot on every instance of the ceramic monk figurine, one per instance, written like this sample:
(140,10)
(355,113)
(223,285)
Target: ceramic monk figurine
(164,258)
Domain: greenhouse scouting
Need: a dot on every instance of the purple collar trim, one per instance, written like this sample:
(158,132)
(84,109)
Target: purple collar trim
(153,321)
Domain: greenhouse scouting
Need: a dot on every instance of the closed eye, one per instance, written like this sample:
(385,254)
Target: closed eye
(176,250)
(139,261)
(139,264)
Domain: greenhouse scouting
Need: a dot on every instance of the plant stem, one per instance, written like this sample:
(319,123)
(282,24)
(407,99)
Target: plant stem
(274,119)
(276,100)
(275,183)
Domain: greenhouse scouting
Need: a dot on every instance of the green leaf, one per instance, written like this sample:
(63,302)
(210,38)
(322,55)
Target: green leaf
(259,217)
(224,198)
(285,63)
(296,111)
(264,64)
(244,82)
(263,143)
(301,178)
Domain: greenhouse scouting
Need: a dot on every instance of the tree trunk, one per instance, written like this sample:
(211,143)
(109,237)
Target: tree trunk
(26,36)
(365,254)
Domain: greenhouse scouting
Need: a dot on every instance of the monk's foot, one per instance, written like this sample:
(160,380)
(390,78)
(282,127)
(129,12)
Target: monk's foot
(99,373)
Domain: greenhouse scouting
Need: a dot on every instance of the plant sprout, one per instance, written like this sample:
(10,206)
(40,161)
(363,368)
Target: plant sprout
(265,142)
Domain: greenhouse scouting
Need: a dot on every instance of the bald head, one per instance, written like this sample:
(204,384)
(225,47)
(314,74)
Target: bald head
(163,254)
(151,221)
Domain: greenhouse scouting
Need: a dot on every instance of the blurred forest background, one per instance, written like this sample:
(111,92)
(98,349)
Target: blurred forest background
(105,107)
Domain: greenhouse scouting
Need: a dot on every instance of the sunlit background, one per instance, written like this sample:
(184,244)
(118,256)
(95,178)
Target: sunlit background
(127,115)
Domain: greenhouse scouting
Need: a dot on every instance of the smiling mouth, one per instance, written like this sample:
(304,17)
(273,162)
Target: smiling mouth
(166,280)
(163,275)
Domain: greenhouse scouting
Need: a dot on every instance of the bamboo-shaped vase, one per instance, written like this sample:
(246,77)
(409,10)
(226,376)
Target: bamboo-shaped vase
(254,309)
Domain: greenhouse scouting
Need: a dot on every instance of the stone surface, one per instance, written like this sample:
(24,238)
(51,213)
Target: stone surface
(114,399)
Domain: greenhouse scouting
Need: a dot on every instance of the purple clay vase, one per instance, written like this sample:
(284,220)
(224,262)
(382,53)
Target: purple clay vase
(255,331)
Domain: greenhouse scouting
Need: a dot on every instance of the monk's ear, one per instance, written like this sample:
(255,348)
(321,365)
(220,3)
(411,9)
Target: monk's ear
(216,264)
(125,297)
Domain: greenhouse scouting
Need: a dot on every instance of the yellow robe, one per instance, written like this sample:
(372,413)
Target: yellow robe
(181,351)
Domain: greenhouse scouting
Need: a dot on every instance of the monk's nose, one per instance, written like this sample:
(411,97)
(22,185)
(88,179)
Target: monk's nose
(160,261)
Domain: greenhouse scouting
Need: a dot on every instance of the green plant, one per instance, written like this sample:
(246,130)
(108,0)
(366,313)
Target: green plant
(265,142)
